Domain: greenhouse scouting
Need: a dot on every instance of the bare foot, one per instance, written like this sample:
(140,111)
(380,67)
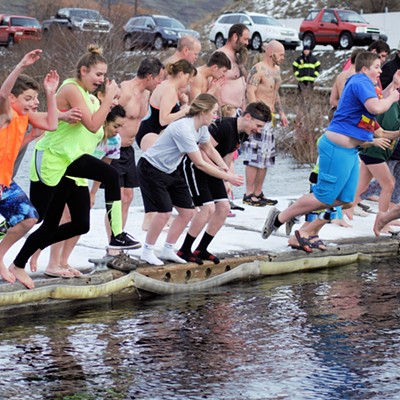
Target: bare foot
(349,214)
(33,263)
(379,224)
(22,276)
(72,270)
(341,222)
(58,271)
(6,274)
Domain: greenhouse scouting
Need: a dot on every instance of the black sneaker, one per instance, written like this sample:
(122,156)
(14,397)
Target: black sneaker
(124,241)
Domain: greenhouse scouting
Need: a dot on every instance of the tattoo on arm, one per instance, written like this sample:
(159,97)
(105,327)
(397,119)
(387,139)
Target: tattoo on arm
(253,78)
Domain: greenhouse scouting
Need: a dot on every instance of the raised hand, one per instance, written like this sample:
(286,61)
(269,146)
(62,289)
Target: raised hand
(30,58)
(51,82)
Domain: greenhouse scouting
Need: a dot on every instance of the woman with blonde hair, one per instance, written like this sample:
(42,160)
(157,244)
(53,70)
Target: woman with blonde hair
(63,156)
(162,184)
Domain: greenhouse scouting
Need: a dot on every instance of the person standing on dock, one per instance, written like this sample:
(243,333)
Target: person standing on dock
(161,182)
(209,193)
(263,84)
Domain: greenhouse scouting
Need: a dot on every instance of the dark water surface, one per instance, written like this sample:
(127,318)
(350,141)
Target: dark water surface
(332,334)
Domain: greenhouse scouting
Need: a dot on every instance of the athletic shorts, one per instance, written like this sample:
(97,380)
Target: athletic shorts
(126,166)
(259,149)
(15,205)
(371,160)
(203,188)
(339,169)
(161,191)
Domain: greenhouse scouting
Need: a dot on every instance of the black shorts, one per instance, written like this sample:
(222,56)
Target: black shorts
(161,191)
(203,188)
(126,167)
(370,160)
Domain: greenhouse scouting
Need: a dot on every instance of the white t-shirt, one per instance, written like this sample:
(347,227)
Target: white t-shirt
(178,139)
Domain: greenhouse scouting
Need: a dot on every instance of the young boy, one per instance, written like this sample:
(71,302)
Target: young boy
(352,125)
(18,96)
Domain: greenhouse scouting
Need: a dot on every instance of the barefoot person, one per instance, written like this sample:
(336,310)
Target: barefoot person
(162,184)
(18,97)
(352,125)
(63,154)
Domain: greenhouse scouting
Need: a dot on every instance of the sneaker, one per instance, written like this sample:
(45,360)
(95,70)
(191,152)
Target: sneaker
(4,227)
(235,206)
(268,202)
(124,241)
(269,226)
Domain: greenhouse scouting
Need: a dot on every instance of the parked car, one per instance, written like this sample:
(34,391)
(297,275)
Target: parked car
(156,31)
(339,28)
(81,19)
(263,28)
(16,28)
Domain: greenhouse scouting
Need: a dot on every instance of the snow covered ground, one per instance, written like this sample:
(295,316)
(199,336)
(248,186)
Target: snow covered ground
(241,234)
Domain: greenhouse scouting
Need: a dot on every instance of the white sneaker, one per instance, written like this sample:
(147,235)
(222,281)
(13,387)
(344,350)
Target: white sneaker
(170,255)
(149,257)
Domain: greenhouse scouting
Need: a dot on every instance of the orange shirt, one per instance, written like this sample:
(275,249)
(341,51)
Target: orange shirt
(11,138)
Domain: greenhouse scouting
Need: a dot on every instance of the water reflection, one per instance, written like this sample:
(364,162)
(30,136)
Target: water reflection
(324,335)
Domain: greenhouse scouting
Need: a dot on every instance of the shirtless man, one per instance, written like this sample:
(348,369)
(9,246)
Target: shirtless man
(263,84)
(210,76)
(135,95)
(188,48)
(233,90)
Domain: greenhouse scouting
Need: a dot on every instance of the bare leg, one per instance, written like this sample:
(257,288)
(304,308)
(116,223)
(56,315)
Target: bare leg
(179,224)
(384,218)
(259,180)
(13,235)
(67,248)
(250,174)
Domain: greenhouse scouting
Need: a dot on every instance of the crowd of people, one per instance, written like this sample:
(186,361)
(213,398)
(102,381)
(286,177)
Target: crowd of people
(172,110)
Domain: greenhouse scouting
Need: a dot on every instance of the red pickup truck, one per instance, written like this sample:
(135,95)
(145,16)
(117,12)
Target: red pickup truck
(339,28)
(15,28)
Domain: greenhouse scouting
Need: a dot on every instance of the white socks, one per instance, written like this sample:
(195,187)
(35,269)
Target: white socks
(149,256)
(169,254)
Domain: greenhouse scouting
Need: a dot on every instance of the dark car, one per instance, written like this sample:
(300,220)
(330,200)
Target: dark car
(339,28)
(16,28)
(154,31)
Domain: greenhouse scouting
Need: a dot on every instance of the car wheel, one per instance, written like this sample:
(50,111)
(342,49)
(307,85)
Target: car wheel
(10,41)
(256,42)
(345,40)
(158,43)
(309,40)
(219,41)
(128,43)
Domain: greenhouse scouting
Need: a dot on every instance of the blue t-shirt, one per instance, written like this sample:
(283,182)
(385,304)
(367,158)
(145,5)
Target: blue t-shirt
(351,117)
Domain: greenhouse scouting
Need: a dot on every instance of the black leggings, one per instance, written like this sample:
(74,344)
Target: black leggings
(50,202)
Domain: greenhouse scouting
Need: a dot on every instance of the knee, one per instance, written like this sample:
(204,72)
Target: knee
(346,206)
(82,227)
(127,196)
(187,214)
(28,223)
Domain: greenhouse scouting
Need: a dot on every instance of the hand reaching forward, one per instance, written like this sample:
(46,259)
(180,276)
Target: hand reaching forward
(51,82)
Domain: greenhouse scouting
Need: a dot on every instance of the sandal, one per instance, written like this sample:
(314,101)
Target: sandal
(259,202)
(268,202)
(304,243)
(318,243)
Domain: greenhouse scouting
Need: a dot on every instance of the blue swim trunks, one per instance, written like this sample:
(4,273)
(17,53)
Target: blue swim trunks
(15,205)
(339,169)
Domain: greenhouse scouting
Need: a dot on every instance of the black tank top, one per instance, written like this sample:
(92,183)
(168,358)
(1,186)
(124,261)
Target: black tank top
(151,124)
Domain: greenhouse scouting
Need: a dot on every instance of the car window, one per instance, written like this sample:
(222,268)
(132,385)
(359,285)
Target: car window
(147,22)
(169,23)
(89,14)
(351,16)
(244,19)
(329,16)
(312,15)
(224,20)
(4,22)
(265,20)
(29,22)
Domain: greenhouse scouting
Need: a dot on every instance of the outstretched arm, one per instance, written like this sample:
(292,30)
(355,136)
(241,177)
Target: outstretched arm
(5,90)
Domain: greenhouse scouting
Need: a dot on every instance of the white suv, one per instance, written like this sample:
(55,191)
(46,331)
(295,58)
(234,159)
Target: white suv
(263,28)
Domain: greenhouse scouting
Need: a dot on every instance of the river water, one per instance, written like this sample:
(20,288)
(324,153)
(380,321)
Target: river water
(331,334)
